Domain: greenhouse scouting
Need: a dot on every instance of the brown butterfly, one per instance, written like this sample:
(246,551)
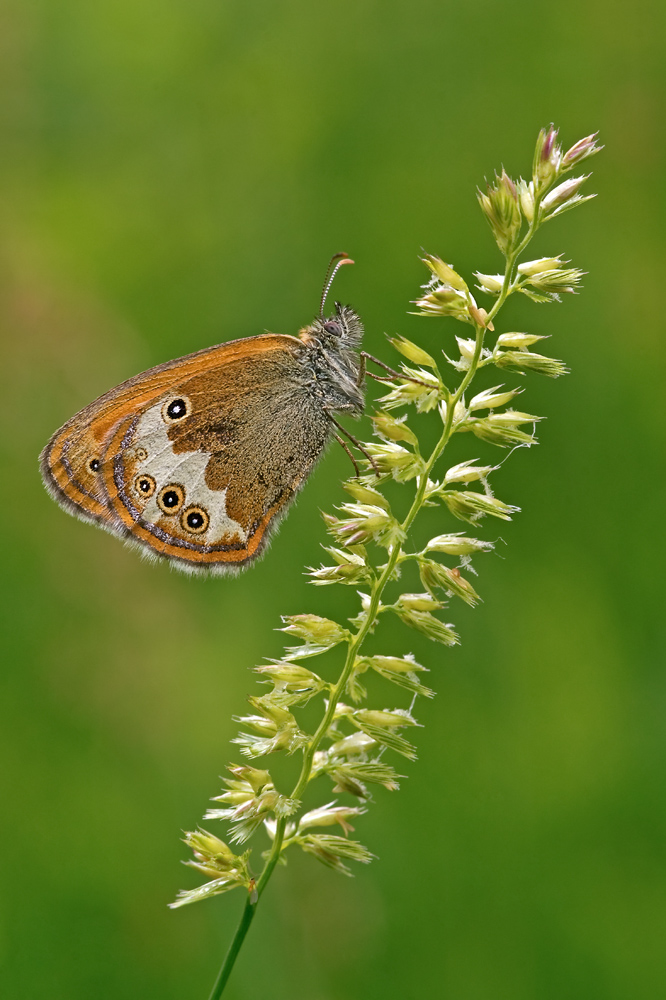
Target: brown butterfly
(197,459)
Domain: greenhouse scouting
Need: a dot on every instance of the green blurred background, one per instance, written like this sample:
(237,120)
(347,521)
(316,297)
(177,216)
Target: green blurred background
(176,174)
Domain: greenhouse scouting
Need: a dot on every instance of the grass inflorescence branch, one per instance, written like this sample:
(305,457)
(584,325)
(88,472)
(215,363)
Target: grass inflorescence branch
(371,544)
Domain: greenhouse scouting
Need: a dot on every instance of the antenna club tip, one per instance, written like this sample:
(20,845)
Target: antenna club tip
(334,265)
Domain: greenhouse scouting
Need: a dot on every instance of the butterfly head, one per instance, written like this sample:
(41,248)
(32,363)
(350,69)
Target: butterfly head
(341,332)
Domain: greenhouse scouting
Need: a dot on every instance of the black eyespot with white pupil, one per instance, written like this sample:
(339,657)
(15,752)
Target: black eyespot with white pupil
(332,327)
(145,485)
(93,465)
(176,409)
(171,498)
(195,520)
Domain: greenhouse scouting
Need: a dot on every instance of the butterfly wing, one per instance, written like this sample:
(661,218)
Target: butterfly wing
(195,460)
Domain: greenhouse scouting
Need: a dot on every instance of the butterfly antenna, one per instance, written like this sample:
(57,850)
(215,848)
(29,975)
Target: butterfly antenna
(334,265)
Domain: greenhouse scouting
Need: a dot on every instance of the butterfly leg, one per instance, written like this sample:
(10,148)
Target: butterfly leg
(356,443)
(343,444)
(363,372)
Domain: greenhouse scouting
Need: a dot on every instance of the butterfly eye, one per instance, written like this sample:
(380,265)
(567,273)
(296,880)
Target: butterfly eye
(332,327)
(93,464)
(195,520)
(145,486)
(170,499)
(176,409)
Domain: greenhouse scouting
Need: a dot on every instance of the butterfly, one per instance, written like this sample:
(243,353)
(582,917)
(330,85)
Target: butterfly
(196,461)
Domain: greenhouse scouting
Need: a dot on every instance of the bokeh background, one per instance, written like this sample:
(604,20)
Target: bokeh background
(176,174)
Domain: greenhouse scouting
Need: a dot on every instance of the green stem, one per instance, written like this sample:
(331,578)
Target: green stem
(235,946)
(357,640)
